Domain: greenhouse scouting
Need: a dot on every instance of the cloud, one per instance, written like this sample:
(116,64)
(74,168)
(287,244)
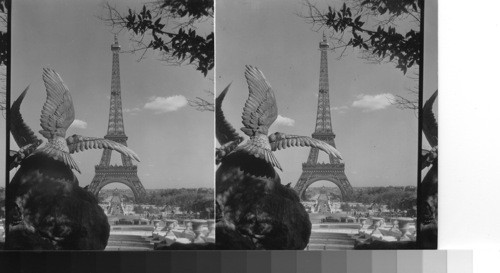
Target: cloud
(372,103)
(79,124)
(132,111)
(128,110)
(340,109)
(166,104)
(284,121)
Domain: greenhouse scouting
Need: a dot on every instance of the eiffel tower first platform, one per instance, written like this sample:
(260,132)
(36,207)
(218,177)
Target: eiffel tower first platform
(127,172)
(312,170)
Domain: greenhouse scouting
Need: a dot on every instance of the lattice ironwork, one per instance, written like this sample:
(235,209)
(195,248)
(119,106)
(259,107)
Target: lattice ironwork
(312,170)
(105,173)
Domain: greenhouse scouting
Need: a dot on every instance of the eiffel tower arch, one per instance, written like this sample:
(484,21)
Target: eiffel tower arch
(118,174)
(334,173)
(312,170)
(104,172)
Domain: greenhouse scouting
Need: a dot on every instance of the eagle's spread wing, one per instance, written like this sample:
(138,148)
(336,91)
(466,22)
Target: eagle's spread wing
(280,141)
(260,148)
(430,126)
(58,112)
(223,129)
(78,143)
(260,109)
(22,133)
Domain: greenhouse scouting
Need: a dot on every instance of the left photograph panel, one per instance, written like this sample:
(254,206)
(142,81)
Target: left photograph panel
(111,123)
(4,60)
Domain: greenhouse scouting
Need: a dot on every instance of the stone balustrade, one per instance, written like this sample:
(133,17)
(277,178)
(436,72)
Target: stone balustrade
(193,231)
(399,229)
(210,238)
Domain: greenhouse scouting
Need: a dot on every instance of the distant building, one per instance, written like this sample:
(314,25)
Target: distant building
(116,204)
(128,209)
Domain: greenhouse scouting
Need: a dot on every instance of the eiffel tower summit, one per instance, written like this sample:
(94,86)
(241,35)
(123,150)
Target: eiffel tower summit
(105,173)
(312,170)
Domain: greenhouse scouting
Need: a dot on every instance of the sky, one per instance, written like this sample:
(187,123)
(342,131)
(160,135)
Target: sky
(379,144)
(173,140)
(378,141)
(430,57)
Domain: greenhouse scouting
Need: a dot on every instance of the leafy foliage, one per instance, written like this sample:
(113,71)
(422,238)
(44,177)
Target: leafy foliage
(187,199)
(138,209)
(194,200)
(402,198)
(2,202)
(4,35)
(170,28)
(4,45)
(4,50)
(373,26)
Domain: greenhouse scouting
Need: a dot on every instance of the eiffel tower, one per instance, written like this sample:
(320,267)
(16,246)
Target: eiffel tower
(127,172)
(312,170)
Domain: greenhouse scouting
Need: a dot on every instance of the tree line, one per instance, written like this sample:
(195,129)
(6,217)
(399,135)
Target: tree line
(187,199)
(402,198)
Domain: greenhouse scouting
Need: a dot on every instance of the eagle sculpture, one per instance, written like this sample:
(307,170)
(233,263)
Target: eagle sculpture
(46,208)
(428,188)
(25,138)
(254,210)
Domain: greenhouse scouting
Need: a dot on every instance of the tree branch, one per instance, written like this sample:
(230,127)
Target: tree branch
(169,28)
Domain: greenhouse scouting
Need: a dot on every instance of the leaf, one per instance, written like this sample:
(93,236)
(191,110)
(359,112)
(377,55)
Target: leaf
(157,22)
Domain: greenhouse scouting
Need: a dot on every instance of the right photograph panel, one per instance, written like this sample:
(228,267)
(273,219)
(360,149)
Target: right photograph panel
(317,123)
